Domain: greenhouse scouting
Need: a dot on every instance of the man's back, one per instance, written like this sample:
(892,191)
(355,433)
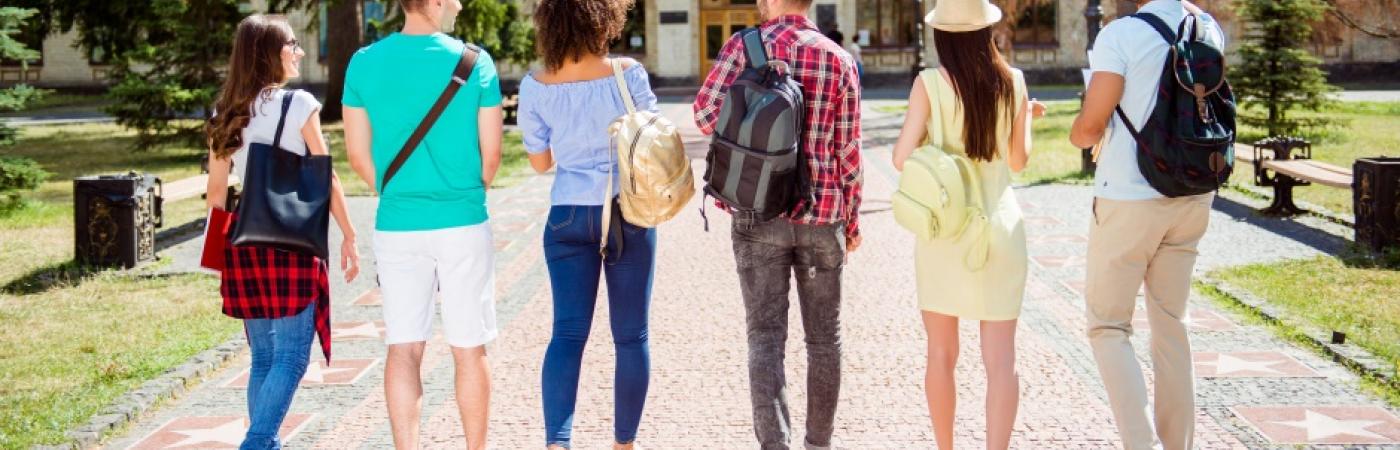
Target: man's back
(831,129)
(396,80)
(1132,48)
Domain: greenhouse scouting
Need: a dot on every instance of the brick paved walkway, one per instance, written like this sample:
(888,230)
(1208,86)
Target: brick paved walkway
(1255,391)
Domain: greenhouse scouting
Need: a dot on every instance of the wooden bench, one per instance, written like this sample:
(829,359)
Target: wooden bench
(192,187)
(1284,170)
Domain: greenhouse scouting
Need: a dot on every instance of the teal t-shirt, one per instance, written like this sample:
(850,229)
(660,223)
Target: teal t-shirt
(396,81)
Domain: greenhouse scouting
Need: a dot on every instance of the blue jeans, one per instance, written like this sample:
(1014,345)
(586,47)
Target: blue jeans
(281,349)
(571,251)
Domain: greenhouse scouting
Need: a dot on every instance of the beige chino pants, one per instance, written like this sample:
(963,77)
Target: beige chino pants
(1150,243)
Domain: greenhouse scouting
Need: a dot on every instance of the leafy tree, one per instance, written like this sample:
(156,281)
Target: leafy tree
(496,25)
(16,174)
(1277,75)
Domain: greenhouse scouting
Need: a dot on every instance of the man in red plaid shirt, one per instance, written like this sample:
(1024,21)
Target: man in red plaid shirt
(813,240)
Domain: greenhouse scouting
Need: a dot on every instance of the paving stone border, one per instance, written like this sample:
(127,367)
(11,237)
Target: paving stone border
(134,404)
(1353,357)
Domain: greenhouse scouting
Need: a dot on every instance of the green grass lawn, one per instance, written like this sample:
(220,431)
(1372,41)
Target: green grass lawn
(76,339)
(1365,129)
(1347,295)
(1053,159)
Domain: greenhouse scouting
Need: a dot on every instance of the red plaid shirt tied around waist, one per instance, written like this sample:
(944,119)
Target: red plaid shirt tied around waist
(266,283)
(831,90)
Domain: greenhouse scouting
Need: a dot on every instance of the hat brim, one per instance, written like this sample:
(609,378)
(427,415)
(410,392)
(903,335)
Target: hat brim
(993,15)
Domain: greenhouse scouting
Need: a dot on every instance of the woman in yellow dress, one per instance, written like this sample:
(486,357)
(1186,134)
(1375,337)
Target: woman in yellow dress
(983,112)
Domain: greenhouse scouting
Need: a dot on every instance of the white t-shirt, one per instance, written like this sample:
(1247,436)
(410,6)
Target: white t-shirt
(1132,48)
(262,127)
(854,49)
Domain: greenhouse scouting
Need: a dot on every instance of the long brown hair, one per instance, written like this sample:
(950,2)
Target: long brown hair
(572,29)
(982,80)
(254,67)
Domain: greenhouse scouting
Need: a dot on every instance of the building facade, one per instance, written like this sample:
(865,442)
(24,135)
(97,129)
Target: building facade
(679,39)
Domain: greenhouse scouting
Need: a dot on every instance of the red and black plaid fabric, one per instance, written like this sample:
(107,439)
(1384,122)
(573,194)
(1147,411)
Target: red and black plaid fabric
(831,90)
(266,283)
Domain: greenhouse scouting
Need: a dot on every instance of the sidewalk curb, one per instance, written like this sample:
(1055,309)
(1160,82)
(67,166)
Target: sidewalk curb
(1353,357)
(132,405)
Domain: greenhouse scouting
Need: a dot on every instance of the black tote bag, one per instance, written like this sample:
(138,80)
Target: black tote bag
(286,197)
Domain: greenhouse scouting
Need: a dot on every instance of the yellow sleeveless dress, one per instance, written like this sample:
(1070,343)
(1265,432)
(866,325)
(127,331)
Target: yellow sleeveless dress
(945,285)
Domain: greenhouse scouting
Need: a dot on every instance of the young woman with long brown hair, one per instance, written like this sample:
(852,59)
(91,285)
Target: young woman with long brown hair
(283,297)
(982,112)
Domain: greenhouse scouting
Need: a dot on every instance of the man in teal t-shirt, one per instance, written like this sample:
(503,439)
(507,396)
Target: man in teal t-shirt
(432,237)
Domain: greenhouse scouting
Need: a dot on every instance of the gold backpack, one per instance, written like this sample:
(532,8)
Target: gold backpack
(656,180)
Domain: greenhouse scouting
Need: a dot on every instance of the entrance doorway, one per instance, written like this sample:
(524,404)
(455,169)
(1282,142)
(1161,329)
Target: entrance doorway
(718,23)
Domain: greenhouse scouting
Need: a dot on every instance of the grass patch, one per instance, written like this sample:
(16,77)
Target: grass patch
(78,338)
(62,102)
(1352,295)
(67,353)
(1053,159)
(1364,129)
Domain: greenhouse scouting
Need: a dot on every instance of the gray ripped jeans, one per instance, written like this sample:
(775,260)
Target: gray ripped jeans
(768,255)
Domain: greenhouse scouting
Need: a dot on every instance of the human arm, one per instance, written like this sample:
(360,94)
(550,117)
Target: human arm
(846,141)
(535,133)
(1104,92)
(349,252)
(216,188)
(357,144)
(1020,152)
(1108,63)
(491,129)
(710,99)
(915,129)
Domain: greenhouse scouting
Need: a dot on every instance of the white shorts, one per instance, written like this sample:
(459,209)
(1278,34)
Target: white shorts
(457,263)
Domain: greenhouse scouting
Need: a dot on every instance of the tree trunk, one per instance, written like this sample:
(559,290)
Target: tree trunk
(345,33)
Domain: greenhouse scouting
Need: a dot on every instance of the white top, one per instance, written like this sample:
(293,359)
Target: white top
(262,127)
(854,49)
(1132,48)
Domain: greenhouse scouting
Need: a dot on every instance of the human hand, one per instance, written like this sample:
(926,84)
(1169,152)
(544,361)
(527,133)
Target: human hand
(1191,7)
(1037,109)
(349,258)
(852,243)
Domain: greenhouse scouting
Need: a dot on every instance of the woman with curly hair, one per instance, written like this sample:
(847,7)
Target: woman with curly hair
(565,110)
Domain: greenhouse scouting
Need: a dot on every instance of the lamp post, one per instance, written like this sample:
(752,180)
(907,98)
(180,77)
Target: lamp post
(1093,19)
(919,50)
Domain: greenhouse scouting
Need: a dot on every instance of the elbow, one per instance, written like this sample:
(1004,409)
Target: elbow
(1017,164)
(1082,137)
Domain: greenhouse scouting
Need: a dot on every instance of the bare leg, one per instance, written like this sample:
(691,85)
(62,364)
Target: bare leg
(938,379)
(473,385)
(627,446)
(403,390)
(1003,383)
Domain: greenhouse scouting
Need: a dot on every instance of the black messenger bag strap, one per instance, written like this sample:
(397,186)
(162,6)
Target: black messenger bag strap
(459,78)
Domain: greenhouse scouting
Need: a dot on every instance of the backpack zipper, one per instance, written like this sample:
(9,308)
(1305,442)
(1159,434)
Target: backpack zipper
(632,152)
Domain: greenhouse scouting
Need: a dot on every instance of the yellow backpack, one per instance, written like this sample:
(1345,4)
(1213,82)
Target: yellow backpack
(656,180)
(940,193)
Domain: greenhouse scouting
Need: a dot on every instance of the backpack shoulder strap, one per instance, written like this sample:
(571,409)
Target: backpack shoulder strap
(460,74)
(622,87)
(1157,24)
(753,48)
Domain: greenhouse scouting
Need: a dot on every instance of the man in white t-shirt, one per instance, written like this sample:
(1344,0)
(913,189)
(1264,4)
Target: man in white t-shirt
(1139,237)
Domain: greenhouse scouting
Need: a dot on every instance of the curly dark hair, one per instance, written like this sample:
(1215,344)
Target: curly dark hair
(569,30)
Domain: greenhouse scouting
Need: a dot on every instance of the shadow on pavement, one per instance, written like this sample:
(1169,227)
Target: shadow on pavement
(1283,227)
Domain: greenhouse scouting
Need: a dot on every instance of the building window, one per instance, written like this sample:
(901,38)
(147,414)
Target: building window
(633,38)
(1035,27)
(886,23)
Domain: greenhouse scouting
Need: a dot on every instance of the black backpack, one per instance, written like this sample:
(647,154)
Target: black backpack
(755,165)
(1187,146)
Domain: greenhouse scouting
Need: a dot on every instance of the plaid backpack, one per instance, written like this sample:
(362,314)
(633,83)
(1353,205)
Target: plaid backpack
(755,164)
(1187,146)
